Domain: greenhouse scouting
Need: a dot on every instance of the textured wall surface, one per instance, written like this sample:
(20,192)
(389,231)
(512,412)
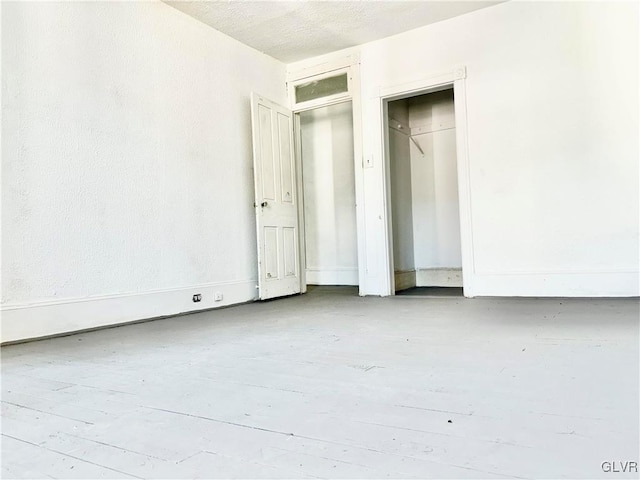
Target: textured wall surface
(126,154)
(436,212)
(400,173)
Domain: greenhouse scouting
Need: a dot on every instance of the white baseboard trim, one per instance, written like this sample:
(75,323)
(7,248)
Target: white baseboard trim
(31,321)
(439,277)
(404,279)
(335,276)
(570,284)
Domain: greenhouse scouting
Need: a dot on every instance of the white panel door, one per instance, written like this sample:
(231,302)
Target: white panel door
(276,203)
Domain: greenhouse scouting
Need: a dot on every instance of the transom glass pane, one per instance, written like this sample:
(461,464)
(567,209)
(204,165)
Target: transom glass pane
(322,88)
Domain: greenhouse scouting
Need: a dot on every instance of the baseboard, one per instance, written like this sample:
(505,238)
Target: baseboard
(332,276)
(404,279)
(439,277)
(569,284)
(26,322)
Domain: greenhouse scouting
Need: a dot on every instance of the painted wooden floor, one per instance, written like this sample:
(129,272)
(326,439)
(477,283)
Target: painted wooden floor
(331,385)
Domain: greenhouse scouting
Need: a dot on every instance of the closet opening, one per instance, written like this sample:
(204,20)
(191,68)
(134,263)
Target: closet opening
(423,195)
(325,137)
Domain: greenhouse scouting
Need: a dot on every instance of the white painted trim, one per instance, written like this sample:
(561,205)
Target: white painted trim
(358,164)
(332,276)
(455,78)
(586,271)
(439,277)
(326,102)
(464,184)
(417,87)
(302,248)
(351,64)
(35,320)
(92,298)
(573,284)
(389,288)
(295,73)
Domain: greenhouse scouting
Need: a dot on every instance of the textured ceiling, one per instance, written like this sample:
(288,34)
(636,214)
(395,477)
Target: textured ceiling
(294,30)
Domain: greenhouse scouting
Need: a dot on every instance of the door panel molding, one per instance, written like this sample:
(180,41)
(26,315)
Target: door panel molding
(275,202)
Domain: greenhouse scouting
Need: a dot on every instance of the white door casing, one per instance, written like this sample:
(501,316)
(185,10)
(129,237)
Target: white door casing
(276,200)
(305,73)
(455,78)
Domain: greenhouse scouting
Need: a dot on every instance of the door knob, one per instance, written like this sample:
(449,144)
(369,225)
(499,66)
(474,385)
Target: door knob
(263,204)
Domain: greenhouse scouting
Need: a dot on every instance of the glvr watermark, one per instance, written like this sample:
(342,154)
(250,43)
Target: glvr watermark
(619,467)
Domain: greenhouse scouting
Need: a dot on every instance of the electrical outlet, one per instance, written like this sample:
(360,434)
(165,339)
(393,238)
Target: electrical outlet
(197,297)
(218,296)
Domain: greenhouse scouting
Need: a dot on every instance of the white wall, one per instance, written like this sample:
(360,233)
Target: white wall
(552,121)
(127,180)
(329,195)
(436,217)
(400,182)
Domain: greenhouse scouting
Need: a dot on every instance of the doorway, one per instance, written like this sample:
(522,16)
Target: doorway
(423,194)
(326,149)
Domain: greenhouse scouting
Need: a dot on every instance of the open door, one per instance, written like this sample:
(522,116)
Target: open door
(276,203)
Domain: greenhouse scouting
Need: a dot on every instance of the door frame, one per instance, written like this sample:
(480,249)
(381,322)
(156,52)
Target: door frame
(455,78)
(351,65)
